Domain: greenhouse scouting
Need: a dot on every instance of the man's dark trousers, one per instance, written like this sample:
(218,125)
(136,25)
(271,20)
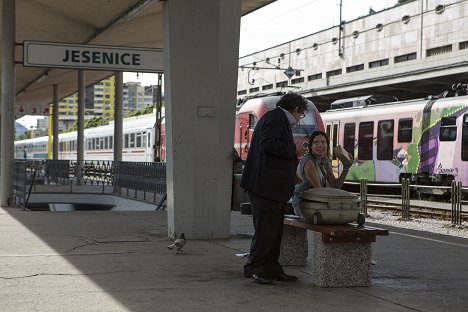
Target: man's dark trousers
(266,244)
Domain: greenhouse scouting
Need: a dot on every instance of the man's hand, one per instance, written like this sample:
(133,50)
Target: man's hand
(300,149)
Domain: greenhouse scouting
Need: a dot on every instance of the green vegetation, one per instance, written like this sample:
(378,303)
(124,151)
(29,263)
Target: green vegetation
(24,136)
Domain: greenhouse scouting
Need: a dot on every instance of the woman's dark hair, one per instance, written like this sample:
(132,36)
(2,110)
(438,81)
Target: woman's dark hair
(291,100)
(316,134)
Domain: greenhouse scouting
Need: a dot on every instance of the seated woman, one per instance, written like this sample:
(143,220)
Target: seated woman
(315,168)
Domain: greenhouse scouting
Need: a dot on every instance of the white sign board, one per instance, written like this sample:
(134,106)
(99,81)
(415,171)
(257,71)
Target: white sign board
(61,55)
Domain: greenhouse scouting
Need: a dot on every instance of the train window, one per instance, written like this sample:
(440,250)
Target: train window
(132,140)
(385,140)
(448,129)
(365,140)
(126,141)
(464,146)
(94,143)
(88,144)
(138,139)
(106,142)
(111,142)
(308,124)
(405,130)
(328,131)
(335,139)
(143,143)
(149,139)
(252,121)
(349,137)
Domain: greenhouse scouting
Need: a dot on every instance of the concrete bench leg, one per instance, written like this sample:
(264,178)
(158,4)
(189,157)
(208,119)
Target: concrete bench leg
(341,264)
(294,246)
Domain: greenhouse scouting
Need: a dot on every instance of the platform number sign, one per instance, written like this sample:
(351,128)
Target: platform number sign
(289,72)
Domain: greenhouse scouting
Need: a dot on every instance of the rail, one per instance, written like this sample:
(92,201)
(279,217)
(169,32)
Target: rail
(456,190)
(139,180)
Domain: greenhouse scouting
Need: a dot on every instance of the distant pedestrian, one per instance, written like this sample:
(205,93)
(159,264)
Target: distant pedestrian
(269,177)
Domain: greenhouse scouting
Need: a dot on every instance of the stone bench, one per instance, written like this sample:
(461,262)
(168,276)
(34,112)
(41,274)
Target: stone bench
(341,254)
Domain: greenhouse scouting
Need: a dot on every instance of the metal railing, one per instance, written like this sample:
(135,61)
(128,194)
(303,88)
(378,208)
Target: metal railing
(456,190)
(139,180)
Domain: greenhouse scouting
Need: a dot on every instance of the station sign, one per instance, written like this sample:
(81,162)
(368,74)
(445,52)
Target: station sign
(97,57)
(36,109)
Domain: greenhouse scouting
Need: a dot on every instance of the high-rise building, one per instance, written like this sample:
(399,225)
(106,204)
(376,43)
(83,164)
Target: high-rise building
(100,100)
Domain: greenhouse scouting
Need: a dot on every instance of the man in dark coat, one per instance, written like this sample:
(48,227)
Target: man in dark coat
(269,177)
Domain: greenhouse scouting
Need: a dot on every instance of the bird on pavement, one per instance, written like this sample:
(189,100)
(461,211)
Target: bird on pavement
(179,243)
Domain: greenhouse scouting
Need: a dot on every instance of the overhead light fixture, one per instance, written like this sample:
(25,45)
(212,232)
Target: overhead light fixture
(136,10)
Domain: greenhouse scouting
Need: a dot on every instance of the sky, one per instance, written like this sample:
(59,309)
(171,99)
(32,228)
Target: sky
(286,20)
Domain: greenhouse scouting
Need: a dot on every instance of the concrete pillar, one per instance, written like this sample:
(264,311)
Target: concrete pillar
(118,116)
(201,45)
(55,120)
(7,118)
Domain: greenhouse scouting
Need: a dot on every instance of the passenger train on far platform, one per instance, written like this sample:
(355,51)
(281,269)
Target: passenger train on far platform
(138,142)
(425,140)
(139,135)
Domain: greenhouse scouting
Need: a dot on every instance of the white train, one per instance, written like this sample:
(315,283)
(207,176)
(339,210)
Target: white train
(138,142)
(425,140)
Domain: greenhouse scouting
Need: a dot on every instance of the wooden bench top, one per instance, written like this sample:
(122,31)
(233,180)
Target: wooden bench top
(339,233)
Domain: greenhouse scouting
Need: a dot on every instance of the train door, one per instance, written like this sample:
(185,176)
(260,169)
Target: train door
(148,146)
(332,129)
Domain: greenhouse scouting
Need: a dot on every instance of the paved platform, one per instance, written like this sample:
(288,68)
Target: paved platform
(119,261)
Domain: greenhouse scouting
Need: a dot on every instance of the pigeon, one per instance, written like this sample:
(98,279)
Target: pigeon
(179,243)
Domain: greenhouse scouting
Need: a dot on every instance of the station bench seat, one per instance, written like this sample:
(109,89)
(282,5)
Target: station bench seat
(341,254)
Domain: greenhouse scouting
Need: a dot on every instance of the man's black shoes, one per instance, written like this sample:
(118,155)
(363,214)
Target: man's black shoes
(260,278)
(284,277)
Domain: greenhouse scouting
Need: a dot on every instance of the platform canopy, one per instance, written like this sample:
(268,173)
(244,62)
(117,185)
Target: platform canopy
(129,23)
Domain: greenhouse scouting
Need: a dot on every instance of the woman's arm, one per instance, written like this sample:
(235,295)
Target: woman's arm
(311,174)
(334,182)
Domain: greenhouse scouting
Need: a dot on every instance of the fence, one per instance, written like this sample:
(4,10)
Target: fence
(139,180)
(456,190)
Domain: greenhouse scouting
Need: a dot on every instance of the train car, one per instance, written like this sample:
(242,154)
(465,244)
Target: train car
(35,148)
(425,140)
(137,145)
(250,112)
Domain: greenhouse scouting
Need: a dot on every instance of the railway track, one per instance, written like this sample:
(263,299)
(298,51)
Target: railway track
(416,210)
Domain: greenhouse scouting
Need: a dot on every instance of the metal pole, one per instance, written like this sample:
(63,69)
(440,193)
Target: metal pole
(55,144)
(80,138)
(340,48)
(453,200)
(459,204)
(118,116)
(7,118)
(158,134)
(364,196)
